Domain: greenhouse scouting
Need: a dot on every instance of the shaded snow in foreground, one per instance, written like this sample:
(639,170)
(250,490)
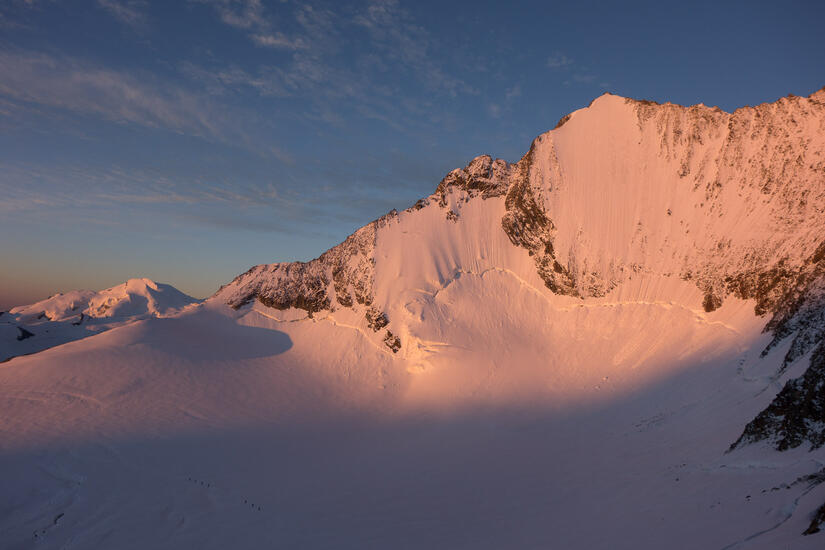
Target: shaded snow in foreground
(218,429)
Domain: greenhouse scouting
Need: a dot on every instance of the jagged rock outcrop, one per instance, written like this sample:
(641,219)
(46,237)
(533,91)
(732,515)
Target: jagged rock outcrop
(797,414)
(376,320)
(816,521)
(527,225)
(342,275)
(796,299)
(483,177)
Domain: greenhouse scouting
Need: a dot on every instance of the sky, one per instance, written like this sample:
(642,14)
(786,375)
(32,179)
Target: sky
(188,140)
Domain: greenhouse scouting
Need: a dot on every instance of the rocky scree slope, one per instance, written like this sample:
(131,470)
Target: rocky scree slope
(734,203)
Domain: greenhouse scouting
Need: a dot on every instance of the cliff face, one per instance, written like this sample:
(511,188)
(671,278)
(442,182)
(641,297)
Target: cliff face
(619,192)
(712,197)
(797,414)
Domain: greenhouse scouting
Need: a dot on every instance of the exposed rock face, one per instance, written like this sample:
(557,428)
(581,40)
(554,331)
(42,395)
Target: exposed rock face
(376,320)
(797,414)
(482,177)
(816,521)
(796,299)
(527,225)
(342,275)
(392,341)
(732,202)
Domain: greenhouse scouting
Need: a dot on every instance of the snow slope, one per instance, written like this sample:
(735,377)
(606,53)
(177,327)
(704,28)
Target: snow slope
(556,353)
(65,317)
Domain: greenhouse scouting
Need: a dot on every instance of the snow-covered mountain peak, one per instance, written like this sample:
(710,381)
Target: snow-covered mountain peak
(141,283)
(80,313)
(138,297)
(626,186)
(625,201)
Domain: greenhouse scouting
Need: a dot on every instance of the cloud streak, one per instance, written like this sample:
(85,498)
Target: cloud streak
(278,40)
(129,12)
(329,71)
(559,60)
(373,61)
(250,16)
(47,85)
(70,84)
(69,191)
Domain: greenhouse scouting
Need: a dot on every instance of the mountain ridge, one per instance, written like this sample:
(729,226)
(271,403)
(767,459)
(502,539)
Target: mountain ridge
(620,190)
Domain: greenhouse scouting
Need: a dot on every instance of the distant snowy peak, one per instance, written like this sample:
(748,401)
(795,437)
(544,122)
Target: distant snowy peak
(135,297)
(78,314)
(138,297)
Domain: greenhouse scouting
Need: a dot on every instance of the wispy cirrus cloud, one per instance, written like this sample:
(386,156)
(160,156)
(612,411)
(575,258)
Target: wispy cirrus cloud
(72,84)
(585,77)
(374,61)
(221,80)
(496,110)
(38,82)
(71,186)
(67,191)
(278,40)
(558,60)
(512,93)
(250,16)
(394,32)
(130,12)
(394,40)
(242,14)
(580,74)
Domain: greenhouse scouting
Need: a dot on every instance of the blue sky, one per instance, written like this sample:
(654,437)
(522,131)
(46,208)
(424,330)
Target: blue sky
(188,140)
